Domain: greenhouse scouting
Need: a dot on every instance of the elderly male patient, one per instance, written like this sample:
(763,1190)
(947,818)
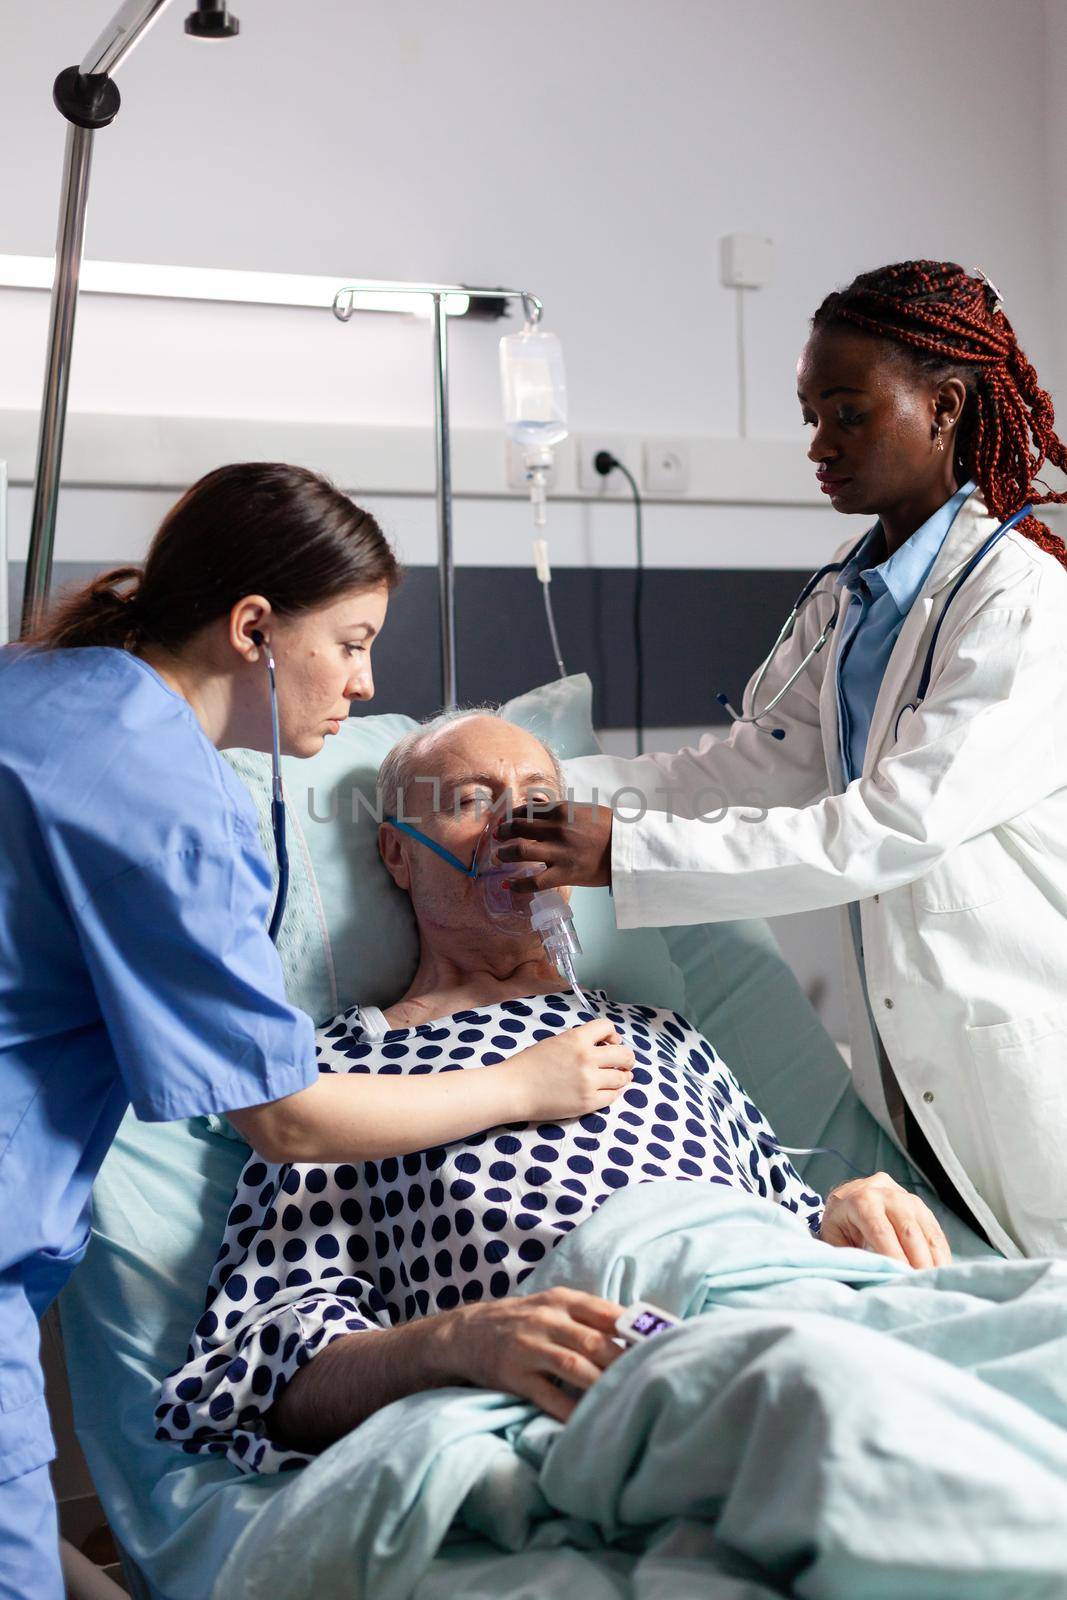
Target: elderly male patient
(340,1289)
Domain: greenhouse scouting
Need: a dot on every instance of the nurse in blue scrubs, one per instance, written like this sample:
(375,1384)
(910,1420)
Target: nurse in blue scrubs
(135,963)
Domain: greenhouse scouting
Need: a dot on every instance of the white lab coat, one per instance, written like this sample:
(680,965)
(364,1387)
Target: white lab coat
(954,842)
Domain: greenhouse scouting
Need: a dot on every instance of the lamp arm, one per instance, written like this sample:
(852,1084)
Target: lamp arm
(89,99)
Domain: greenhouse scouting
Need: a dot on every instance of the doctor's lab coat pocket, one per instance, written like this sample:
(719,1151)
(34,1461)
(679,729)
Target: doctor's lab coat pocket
(1021,1072)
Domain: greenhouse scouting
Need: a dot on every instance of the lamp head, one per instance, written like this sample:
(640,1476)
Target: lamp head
(211,20)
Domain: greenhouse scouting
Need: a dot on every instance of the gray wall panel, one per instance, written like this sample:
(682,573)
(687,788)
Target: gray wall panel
(703,631)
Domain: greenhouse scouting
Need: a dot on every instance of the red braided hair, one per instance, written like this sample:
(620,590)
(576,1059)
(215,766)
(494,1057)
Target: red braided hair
(950,326)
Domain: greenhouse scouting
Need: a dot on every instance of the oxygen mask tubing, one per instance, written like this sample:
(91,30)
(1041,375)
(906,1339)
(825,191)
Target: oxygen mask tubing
(545,911)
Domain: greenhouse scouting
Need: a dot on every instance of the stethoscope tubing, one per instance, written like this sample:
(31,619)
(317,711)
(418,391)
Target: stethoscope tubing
(277,806)
(787,628)
(834,567)
(928,664)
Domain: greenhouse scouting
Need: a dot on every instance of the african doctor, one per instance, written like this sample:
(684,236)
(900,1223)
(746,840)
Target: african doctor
(914,771)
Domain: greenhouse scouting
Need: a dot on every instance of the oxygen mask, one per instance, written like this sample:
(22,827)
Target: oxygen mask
(546,911)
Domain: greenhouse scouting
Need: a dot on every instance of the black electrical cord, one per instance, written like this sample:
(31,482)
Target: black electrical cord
(605,462)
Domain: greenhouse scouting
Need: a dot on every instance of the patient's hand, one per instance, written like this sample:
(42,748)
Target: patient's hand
(530,1344)
(877,1214)
(572,1073)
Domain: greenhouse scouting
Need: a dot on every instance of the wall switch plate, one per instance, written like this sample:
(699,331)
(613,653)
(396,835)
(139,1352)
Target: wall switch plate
(745,260)
(666,466)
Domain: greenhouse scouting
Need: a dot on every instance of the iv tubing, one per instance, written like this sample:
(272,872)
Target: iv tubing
(544,574)
(552,630)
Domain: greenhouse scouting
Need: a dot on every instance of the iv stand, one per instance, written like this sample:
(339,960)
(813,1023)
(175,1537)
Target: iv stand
(343,307)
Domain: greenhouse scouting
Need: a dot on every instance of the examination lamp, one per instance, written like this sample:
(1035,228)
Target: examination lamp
(211,20)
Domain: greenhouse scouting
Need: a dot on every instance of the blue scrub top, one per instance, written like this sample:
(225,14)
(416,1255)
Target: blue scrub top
(880,598)
(135,964)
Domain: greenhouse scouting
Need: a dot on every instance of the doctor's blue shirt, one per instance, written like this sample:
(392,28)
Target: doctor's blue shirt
(135,964)
(880,598)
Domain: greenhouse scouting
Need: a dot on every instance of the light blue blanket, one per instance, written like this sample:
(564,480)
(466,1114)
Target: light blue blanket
(826,1423)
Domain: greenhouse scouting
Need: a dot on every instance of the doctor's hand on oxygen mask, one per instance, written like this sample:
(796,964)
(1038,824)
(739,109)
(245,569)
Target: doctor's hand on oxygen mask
(571,840)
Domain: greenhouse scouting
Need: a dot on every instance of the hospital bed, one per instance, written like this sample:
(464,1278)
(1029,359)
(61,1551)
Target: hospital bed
(162,1196)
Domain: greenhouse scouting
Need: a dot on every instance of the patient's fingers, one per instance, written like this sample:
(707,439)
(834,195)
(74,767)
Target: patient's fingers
(880,1236)
(593,1345)
(913,1240)
(940,1248)
(879,1214)
(875,1230)
(569,1365)
(545,1394)
(921,1235)
(591,1309)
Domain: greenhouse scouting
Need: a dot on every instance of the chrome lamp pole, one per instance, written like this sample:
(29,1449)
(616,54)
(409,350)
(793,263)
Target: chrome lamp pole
(89,99)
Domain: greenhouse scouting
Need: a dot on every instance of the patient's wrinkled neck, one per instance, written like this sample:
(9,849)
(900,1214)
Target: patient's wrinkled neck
(457,972)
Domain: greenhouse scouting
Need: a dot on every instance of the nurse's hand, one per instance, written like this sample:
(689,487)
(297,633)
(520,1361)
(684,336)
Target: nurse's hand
(573,839)
(877,1214)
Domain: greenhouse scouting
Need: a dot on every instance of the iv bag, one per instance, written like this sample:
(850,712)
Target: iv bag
(534,388)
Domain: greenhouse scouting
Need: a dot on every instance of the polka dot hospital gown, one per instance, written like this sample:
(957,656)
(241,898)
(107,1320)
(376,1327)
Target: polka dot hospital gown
(312,1253)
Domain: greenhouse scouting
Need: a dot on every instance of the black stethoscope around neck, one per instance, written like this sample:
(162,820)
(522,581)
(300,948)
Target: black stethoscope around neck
(277,796)
(807,593)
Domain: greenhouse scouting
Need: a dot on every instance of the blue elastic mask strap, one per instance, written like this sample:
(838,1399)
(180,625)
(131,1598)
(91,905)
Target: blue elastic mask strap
(431,844)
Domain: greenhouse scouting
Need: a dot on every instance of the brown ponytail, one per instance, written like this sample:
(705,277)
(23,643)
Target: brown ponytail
(101,612)
(257,527)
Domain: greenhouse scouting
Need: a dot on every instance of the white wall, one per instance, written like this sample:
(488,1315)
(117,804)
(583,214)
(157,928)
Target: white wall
(593,152)
(1052,366)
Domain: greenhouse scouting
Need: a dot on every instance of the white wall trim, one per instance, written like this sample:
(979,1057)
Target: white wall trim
(134,451)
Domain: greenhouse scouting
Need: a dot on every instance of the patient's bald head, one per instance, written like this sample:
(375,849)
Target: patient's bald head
(447,777)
